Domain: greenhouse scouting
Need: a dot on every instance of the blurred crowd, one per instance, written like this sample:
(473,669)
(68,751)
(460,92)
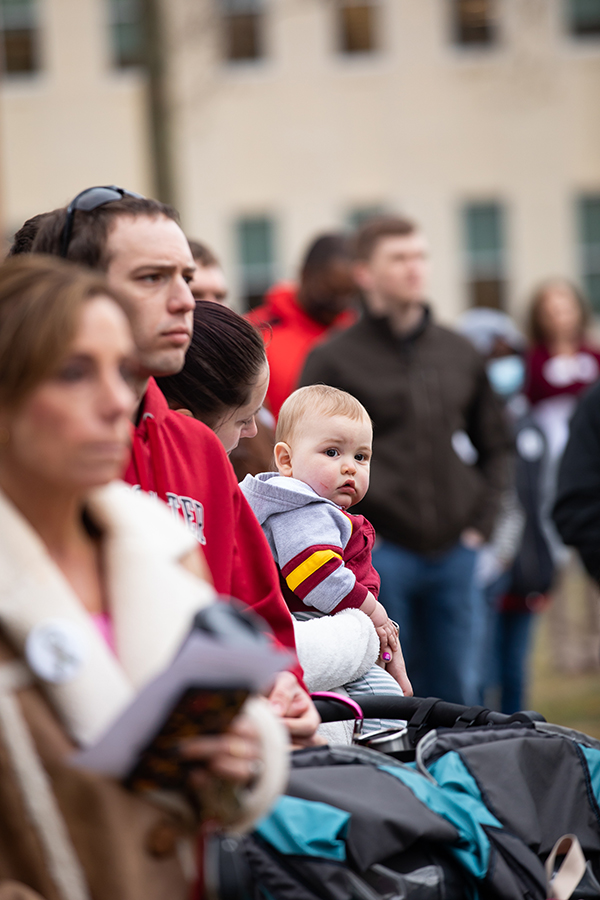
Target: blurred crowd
(465,468)
(409,497)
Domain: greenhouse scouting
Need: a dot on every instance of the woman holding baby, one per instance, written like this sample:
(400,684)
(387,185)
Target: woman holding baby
(322,458)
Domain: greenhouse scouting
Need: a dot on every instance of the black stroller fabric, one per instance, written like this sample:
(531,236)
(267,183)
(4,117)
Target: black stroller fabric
(476,815)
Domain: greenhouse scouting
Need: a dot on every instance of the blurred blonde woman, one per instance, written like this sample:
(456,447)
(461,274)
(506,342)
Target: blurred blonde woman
(98,587)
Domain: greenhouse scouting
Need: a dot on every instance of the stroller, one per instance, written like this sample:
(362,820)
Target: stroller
(456,803)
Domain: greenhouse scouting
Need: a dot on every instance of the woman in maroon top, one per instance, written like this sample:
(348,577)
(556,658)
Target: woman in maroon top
(561,363)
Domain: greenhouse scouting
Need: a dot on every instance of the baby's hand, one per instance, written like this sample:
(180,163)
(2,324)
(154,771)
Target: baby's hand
(388,641)
(386,632)
(379,616)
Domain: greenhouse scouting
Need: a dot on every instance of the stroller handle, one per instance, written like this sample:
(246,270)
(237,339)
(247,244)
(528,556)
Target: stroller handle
(441,713)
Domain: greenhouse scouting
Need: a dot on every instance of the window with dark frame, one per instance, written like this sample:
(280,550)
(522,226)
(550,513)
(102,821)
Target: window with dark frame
(126,33)
(357,216)
(588,214)
(485,254)
(20,34)
(255,245)
(473,22)
(584,17)
(357,26)
(242,26)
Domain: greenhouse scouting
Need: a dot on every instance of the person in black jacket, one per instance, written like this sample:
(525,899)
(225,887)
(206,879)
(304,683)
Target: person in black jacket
(576,511)
(440,453)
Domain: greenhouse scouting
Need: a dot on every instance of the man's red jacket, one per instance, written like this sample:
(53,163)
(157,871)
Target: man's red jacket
(290,334)
(181,461)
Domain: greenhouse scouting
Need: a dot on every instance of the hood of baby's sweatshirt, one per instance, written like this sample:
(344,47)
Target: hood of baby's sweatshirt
(270,493)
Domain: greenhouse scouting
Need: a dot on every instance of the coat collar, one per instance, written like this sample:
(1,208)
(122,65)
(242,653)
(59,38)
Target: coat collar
(152,602)
(152,404)
(382,324)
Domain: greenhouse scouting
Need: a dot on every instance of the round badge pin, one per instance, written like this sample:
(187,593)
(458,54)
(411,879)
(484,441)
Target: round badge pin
(56,650)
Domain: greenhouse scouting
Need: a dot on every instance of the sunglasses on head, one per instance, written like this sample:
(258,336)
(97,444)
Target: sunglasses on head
(88,200)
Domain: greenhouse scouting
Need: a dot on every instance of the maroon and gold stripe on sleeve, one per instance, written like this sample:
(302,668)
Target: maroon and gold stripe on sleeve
(308,569)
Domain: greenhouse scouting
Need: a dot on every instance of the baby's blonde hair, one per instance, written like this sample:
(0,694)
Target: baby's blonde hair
(316,398)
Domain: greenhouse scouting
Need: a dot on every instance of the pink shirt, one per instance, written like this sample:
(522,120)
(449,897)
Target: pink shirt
(104,624)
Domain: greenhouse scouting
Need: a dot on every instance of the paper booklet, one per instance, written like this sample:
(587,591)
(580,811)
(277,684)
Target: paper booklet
(200,692)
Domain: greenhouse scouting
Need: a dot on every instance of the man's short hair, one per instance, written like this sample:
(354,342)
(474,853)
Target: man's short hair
(203,255)
(320,399)
(91,229)
(368,236)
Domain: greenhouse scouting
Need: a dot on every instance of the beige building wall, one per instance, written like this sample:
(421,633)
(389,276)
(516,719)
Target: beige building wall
(422,126)
(75,123)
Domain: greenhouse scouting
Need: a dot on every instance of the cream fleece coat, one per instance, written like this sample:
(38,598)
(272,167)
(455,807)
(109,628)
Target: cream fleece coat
(71,848)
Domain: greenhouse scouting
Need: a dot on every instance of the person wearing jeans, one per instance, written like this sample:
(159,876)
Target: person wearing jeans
(422,592)
(440,452)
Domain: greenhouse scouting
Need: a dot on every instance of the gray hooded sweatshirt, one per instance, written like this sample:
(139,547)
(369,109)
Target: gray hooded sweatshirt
(307,535)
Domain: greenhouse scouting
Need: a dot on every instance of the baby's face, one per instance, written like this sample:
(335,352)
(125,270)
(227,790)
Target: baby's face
(332,454)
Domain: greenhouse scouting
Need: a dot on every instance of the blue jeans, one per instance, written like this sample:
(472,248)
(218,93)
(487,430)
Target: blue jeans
(504,646)
(432,598)
(513,648)
(485,642)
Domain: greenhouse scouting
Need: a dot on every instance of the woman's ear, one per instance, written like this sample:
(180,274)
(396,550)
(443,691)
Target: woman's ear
(176,406)
(283,459)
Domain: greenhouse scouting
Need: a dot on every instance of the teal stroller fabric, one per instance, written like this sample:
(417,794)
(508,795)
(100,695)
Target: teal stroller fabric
(475,816)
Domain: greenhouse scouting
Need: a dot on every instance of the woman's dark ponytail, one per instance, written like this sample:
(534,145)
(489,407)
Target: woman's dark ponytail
(221,367)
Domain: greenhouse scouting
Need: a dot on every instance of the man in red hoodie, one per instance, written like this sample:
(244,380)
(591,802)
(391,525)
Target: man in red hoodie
(295,318)
(146,258)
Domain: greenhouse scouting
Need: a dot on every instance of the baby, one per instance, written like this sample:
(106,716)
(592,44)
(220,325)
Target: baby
(323,456)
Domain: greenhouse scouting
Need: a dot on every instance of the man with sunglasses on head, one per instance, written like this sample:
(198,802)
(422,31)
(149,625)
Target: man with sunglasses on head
(138,244)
